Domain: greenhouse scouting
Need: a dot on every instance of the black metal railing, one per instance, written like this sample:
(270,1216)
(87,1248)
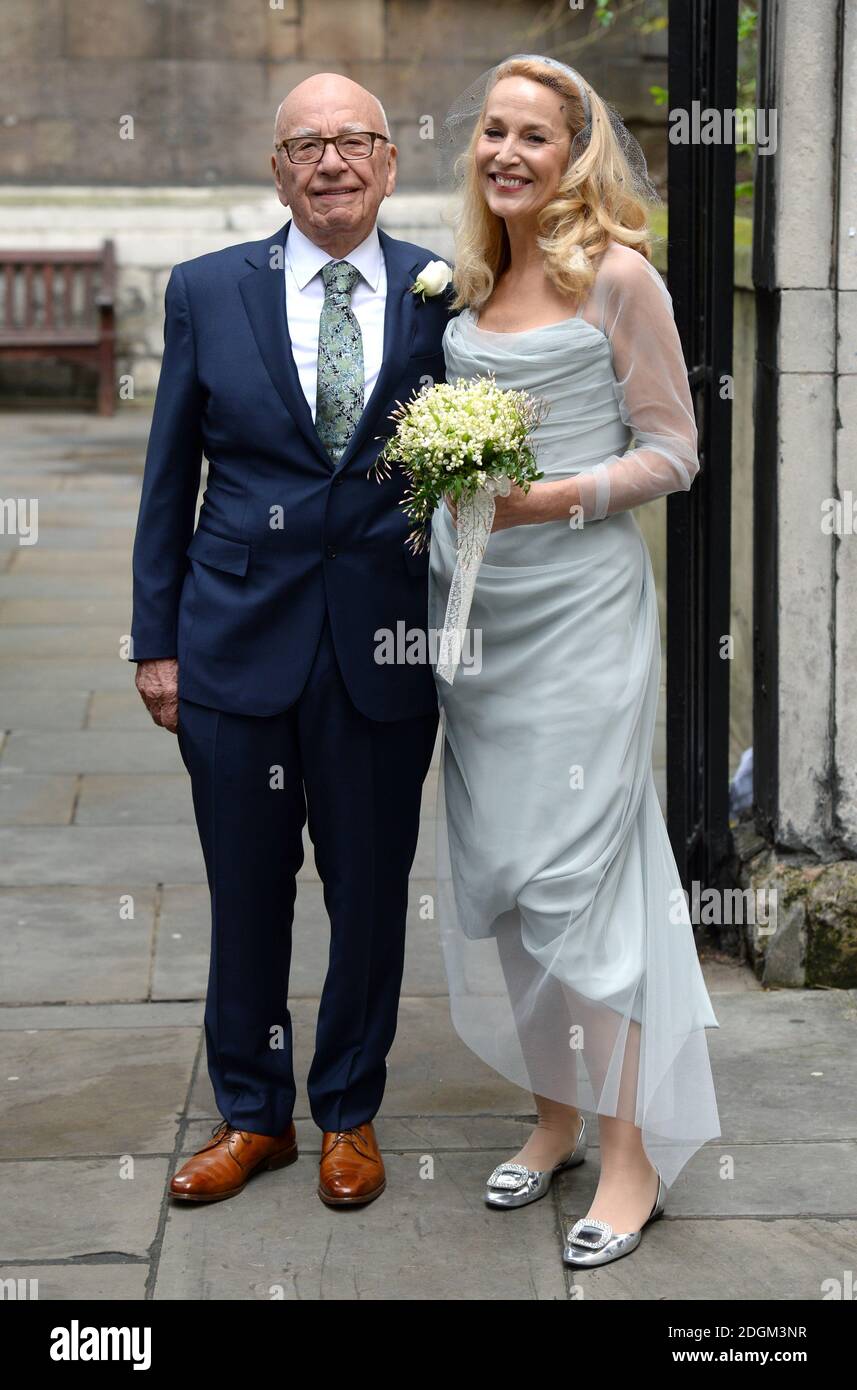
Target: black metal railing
(703,58)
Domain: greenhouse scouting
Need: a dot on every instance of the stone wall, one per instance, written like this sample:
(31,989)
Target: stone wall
(202,78)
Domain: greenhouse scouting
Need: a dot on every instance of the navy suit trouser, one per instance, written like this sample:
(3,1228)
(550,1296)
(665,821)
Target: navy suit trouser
(256,781)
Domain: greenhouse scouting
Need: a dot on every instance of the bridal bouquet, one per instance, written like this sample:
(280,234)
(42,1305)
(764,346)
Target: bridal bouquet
(469,441)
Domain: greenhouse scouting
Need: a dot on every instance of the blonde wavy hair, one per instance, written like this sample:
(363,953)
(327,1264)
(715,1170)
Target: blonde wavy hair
(594,202)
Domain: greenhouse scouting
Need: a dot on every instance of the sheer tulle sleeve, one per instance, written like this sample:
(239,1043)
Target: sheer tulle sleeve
(633,308)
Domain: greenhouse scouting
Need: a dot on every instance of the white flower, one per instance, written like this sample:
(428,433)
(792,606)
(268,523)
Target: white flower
(433,278)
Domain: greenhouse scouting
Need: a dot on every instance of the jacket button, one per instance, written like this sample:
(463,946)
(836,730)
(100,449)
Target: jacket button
(337,482)
(331,553)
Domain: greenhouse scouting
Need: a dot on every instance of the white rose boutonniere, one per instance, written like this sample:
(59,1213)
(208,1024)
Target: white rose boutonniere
(433,278)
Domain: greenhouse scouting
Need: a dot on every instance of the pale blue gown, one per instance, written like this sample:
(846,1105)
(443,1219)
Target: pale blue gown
(567,940)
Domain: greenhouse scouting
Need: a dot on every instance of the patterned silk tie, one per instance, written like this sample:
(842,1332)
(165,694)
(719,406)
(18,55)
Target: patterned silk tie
(339,394)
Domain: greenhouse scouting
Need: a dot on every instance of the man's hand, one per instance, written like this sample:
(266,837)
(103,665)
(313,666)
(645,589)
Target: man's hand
(158,683)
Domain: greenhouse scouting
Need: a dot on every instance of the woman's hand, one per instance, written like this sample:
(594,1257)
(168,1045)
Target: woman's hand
(518,509)
(551,501)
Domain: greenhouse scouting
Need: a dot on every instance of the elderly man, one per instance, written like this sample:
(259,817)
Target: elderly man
(256,635)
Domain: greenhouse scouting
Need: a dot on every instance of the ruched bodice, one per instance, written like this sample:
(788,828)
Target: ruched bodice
(567,364)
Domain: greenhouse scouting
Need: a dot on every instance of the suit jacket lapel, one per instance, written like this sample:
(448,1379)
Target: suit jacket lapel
(265,303)
(264,295)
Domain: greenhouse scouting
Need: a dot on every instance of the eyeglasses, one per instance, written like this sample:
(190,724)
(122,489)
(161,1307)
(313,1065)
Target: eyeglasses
(309,149)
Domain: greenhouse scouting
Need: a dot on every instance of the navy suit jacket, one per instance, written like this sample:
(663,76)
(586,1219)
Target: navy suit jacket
(282,534)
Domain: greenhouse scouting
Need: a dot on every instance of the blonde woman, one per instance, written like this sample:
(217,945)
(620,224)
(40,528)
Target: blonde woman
(567,939)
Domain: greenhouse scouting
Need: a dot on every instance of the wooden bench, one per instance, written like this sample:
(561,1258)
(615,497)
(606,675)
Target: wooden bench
(60,304)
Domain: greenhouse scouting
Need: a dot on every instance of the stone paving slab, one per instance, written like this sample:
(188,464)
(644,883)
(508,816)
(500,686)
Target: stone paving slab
(65,485)
(15,583)
(36,798)
(93,1018)
(84,611)
(54,1209)
(77,1282)
(116,514)
(44,673)
(68,504)
(120,475)
(119,709)
(762,1097)
(181,947)
(98,854)
(43,640)
(36,559)
(101,1091)
(141,800)
(70,945)
(125,753)
(44,709)
(65,538)
(728,975)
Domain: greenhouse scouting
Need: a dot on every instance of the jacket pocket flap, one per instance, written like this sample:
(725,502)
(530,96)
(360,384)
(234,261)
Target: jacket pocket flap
(219,551)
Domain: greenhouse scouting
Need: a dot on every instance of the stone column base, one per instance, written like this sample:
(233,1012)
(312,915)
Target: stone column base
(808,933)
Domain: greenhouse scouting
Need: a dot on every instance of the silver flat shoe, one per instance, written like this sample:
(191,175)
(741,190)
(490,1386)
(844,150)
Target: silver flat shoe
(591,1242)
(514,1185)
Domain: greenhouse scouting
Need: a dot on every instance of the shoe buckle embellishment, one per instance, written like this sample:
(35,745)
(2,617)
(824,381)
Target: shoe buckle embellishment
(509,1176)
(576,1238)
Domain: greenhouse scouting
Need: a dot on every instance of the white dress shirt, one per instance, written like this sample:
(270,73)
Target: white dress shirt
(305,298)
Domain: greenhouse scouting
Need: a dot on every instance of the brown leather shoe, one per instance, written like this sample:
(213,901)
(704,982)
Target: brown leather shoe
(220,1169)
(351,1171)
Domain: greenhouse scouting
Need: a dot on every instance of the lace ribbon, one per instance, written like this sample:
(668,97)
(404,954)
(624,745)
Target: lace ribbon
(475,519)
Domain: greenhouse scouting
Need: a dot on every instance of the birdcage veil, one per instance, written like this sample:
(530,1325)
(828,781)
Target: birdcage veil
(461,117)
